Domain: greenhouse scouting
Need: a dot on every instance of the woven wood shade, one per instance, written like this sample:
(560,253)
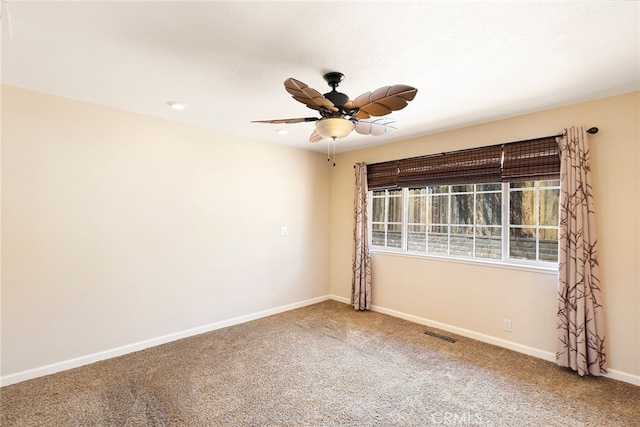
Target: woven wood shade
(534,159)
(459,167)
(382,175)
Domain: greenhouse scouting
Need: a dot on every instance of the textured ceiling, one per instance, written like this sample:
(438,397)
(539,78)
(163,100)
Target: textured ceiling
(472,61)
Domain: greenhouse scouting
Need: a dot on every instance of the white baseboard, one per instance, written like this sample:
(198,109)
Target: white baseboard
(622,376)
(520,348)
(130,348)
(531,351)
(340,299)
(141,345)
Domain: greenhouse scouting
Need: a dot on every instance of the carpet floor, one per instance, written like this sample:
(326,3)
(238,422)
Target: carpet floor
(321,365)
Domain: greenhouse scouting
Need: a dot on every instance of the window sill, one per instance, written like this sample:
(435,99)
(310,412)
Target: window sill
(472,261)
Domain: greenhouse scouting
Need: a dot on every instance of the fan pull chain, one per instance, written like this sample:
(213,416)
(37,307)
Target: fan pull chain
(328,152)
(334,152)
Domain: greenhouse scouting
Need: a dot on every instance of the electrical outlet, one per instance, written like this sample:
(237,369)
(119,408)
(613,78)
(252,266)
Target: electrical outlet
(507,325)
(272,297)
(284,231)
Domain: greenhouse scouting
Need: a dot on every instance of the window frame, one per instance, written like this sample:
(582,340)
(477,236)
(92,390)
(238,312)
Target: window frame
(386,222)
(505,226)
(506,213)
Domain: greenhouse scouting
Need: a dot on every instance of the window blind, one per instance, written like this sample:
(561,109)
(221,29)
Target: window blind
(535,159)
(383,175)
(532,160)
(459,167)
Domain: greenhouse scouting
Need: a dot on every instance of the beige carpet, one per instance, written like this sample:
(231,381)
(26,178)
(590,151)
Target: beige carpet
(322,365)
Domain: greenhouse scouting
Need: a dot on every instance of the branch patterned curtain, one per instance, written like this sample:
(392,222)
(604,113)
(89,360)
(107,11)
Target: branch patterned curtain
(580,319)
(361,281)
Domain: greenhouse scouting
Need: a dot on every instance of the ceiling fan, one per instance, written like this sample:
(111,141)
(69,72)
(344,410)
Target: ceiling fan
(340,115)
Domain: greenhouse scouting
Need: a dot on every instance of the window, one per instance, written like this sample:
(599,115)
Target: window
(533,220)
(386,223)
(512,222)
(455,220)
(499,202)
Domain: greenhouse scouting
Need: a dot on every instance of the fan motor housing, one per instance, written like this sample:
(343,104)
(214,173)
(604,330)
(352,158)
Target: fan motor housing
(338,98)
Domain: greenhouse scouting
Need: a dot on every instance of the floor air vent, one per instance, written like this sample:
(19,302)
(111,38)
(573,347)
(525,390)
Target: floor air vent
(440,337)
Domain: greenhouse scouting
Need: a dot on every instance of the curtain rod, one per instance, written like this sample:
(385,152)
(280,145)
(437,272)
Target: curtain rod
(591,130)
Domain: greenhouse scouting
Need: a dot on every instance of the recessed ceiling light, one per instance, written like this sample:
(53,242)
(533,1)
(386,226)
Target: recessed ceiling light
(281,131)
(176,105)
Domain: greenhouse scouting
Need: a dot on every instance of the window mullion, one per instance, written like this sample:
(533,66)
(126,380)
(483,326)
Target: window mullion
(448,220)
(506,200)
(405,217)
(386,217)
(427,219)
(474,225)
(537,213)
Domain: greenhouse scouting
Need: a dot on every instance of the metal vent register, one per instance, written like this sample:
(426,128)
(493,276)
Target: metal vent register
(441,337)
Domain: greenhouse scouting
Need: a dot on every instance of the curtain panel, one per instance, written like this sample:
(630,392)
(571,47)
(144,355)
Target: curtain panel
(580,318)
(361,280)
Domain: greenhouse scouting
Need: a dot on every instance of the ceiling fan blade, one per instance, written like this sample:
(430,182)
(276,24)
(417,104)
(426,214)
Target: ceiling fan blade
(362,115)
(376,127)
(287,121)
(382,101)
(315,136)
(308,96)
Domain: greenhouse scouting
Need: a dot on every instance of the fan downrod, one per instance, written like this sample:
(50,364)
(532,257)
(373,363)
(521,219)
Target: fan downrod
(338,99)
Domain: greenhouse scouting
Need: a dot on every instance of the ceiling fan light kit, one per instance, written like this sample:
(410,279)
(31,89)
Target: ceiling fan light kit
(340,115)
(335,127)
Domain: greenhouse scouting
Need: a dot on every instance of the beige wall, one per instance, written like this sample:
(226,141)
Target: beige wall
(119,228)
(477,298)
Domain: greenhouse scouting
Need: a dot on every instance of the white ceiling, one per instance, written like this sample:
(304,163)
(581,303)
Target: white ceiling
(472,61)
